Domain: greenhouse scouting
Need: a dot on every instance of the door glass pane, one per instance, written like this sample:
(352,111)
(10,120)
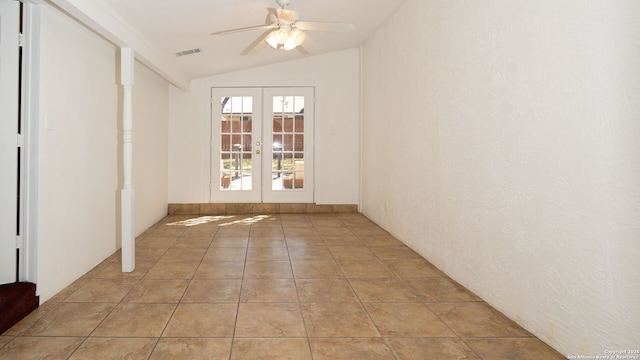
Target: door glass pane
(236,143)
(288,143)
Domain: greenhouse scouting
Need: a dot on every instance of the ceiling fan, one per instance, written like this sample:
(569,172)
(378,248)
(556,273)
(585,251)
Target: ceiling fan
(284,30)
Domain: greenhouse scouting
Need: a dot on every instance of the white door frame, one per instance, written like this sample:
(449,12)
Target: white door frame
(9,105)
(30,134)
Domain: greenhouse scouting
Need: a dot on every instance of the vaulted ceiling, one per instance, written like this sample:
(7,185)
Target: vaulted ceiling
(171,26)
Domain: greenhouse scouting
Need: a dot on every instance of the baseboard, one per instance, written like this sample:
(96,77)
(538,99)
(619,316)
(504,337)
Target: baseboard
(257,208)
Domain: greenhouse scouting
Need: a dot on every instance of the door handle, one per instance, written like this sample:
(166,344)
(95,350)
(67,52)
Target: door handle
(258,152)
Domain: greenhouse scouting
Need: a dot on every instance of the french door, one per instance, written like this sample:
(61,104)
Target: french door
(262,145)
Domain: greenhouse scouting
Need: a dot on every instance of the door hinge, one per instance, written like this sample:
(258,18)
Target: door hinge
(20,140)
(20,39)
(19,242)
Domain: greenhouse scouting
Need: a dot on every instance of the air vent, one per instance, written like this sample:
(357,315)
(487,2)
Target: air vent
(188,52)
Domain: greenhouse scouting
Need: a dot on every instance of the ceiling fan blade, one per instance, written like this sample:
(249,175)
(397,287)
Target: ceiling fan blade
(324,26)
(257,27)
(287,16)
(256,45)
(308,47)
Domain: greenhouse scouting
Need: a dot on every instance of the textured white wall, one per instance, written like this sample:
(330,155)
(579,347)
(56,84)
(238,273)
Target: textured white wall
(77,152)
(510,157)
(336,79)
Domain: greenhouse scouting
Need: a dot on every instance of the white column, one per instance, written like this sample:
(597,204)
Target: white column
(127,195)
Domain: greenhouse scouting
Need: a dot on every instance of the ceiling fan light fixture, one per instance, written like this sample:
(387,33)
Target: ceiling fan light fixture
(286,39)
(271,39)
(297,36)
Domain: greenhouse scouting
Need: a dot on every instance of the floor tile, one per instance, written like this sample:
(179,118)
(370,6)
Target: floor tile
(267,231)
(350,348)
(183,254)
(233,230)
(316,269)
(114,348)
(220,270)
(66,292)
(394,252)
(136,320)
(201,243)
(269,290)
(380,240)
(349,240)
(70,319)
(102,290)
(5,339)
(310,253)
(192,349)
(230,241)
(168,231)
(269,320)
(325,290)
(303,241)
(406,319)
(267,254)
(328,223)
(361,269)
(437,348)
(268,270)
(153,242)
(337,320)
(30,319)
(157,291)
(440,289)
(113,270)
(213,291)
(286,286)
(267,241)
(54,348)
(476,319)
(202,320)
(215,254)
(351,253)
(172,270)
(366,229)
(270,349)
(382,290)
(412,268)
(334,231)
(300,231)
(513,348)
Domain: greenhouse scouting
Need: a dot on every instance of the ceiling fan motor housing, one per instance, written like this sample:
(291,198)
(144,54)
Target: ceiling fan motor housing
(283,3)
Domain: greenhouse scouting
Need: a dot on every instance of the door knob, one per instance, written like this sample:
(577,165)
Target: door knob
(258,152)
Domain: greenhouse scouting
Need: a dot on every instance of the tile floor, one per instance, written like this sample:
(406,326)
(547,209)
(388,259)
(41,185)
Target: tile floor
(288,286)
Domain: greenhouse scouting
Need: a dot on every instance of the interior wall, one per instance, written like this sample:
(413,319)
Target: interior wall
(511,157)
(336,79)
(79,173)
(77,152)
(150,147)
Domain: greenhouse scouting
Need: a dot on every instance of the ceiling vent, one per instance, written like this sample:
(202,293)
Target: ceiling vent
(188,52)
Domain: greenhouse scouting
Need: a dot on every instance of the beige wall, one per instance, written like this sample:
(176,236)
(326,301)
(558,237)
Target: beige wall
(511,156)
(150,147)
(79,157)
(336,79)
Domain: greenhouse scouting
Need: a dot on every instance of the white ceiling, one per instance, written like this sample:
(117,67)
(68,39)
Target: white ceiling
(171,26)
